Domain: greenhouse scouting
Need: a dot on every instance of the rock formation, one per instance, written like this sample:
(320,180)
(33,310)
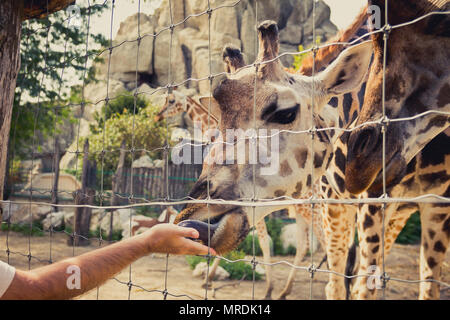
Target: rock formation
(188,46)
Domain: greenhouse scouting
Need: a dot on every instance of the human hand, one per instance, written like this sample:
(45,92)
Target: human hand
(170,238)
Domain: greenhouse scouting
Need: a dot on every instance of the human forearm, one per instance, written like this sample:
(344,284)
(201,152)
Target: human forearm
(95,267)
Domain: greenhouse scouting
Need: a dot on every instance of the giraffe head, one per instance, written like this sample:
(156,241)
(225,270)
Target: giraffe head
(417,79)
(266,96)
(176,102)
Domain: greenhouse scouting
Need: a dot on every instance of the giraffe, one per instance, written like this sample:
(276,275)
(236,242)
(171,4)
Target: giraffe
(177,102)
(338,184)
(280,98)
(417,80)
(432,161)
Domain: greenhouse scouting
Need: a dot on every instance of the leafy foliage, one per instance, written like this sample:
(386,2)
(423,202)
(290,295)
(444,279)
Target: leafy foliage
(53,53)
(138,130)
(298,58)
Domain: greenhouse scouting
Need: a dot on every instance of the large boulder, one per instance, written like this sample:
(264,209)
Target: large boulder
(201,269)
(124,60)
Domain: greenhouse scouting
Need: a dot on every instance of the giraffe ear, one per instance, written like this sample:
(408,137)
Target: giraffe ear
(348,71)
(232,58)
(215,107)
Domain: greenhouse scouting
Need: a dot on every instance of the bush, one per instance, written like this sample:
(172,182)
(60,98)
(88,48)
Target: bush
(411,232)
(24,228)
(237,270)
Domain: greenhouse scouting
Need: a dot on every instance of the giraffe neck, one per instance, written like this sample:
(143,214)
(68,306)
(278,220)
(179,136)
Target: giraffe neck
(200,114)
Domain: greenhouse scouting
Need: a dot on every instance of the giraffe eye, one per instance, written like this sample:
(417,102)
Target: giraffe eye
(284,116)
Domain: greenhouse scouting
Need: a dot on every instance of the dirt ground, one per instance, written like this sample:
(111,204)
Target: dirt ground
(148,273)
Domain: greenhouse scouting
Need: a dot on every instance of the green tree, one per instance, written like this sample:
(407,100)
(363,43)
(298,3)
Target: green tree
(298,58)
(53,57)
(139,130)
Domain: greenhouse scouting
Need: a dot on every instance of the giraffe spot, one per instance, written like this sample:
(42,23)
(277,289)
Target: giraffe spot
(333,102)
(373,239)
(329,192)
(431,262)
(333,213)
(435,178)
(368,222)
(339,159)
(318,160)
(300,156)
(261,182)
(340,182)
(439,217)
(308,181)
(425,245)
(279,193)
(373,209)
(431,233)
(298,190)
(285,169)
(439,247)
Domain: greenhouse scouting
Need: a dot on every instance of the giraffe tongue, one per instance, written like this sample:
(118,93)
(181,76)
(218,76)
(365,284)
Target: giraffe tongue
(201,227)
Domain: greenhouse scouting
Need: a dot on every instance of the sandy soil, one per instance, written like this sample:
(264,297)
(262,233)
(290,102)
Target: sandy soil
(149,273)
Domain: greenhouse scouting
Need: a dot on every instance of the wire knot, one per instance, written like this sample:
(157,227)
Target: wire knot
(312,269)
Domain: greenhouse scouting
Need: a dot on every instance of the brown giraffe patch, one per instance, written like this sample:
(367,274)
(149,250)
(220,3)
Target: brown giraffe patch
(300,156)
(439,247)
(261,182)
(368,222)
(280,193)
(298,190)
(439,217)
(431,233)
(334,214)
(431,262)
(285,169)
(375,238)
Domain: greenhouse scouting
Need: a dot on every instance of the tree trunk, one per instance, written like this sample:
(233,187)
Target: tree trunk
(84,196)
(10,28)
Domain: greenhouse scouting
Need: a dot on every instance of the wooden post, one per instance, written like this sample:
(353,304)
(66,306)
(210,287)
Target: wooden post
(56,160)
(118,181)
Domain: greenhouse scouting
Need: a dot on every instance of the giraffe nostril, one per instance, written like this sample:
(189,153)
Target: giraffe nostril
(365,141)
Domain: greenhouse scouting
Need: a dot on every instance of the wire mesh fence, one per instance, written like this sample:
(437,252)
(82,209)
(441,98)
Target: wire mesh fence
(163,184)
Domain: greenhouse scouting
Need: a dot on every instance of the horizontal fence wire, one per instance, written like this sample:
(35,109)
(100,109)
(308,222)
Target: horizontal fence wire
(138,201)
